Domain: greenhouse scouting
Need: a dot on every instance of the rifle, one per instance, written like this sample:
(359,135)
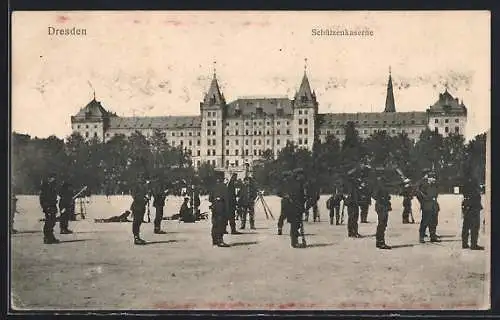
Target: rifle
(149,211)
(342,214)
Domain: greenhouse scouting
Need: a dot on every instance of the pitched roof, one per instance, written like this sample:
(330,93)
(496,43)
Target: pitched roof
(168,122)
(372,118)
(269,105)
(93,109)
(447,104)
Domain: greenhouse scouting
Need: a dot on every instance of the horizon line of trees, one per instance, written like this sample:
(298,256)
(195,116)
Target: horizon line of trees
(115,166)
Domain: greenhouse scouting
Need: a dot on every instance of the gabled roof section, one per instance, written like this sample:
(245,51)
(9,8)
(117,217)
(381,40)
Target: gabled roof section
(447,104)
(373,119)
(269,105)
(93,109)
(168,122)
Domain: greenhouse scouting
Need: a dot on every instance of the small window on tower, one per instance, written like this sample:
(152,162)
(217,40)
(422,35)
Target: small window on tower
(300,112)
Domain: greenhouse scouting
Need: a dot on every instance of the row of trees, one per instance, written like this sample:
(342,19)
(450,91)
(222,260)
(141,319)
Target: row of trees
(451,157)
(113,167)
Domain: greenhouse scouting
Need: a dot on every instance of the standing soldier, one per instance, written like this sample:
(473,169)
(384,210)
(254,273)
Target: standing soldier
(352,204)
(365,200)
(285,201)
(471,212)
(313,195)
(407,197)
(334,206)
(427,196)
(195,202)
(13,210)
(382,207)
(48,202)
(247,196)
(159,197)
(218,198)
(231,204)
(138,208)
(66,207)
(297,198)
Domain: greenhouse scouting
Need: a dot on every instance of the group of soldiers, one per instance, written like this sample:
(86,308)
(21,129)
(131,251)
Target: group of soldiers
(227,201)
(232,198)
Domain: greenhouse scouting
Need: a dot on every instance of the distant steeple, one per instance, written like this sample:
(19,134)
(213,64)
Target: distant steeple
(389,100)
(214,95)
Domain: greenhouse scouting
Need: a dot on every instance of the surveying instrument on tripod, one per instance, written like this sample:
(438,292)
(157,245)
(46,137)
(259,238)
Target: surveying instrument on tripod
(260,198)
(81,202)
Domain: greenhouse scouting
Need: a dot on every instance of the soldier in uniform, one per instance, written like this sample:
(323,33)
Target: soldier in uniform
(365,200)
(297,198)
(231,204)
(285,201)
(186,213)
(247,195)
(334,206)
(219,206)
(66,207)
(471,213)
(138,208)
(313,195)
(159,197)
(48,202)
(382,207)
(13,210)
(427,196)
(407,198)
(352,204)
(194,201)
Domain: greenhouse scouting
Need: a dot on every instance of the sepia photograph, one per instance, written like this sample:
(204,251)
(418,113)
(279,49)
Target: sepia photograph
(249,160)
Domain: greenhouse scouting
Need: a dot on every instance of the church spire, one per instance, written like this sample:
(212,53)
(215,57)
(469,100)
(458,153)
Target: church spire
(389,100)
(214,94)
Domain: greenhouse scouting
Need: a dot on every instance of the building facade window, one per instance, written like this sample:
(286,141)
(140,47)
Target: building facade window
(300,130)
(305,131)
(445,120)
(246,142)
(236,151)
(436,121)
(86,134)
(300,121)
(209,142)
(300,141)
(456,120)
(300,112)
(305,121)
(214,142)
(199,153)
(254,152)
(305,141)
(227,152)
(213,152)
(246,152)
(237,142)
(446,129)
(457,130)
(236,132)
(227,142)
(209,123)
(278,132)
(278,141)
(214,123)
(236,163)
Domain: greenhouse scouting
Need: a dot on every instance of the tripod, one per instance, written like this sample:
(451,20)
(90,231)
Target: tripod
(83,208)
(267,210)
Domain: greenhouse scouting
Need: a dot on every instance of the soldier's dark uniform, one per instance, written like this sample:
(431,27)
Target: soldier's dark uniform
(352,204)
(218,197)
(13,210)
(159,197)
(66,207)
(194,201)
(313,195)
(407,197)
(138,209)
(336,199)
(382,207)
(471,212)
(186,213)
(285,202)
(231,205)
(427,196)
(364,201)
(48,202)
(247,196)
(297,199)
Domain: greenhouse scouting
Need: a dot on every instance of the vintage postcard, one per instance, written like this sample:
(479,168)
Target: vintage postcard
(250,160)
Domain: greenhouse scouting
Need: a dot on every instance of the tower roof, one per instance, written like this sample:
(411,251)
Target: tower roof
(93,109)
(390,105)
(305,89)
(214,94)
(447,104)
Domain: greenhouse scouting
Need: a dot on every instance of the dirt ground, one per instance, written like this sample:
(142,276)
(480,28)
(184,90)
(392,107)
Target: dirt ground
(98,267)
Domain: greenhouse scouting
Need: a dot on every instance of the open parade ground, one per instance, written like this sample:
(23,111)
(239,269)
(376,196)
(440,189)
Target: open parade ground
(99,267)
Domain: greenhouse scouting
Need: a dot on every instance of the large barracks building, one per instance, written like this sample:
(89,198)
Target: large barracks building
(230,134)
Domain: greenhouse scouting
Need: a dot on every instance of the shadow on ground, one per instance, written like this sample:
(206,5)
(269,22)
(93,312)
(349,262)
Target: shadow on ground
(317,245)
(237,244)
(164,241)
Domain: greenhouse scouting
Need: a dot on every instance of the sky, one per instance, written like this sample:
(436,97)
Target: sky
(160,63)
